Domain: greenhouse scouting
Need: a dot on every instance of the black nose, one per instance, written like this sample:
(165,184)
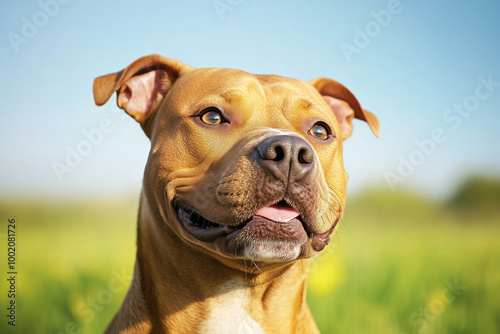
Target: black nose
(287,157)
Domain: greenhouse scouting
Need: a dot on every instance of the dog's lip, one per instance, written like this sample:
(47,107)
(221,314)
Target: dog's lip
(208,231)
(291,232)
(205,234)
(199,227)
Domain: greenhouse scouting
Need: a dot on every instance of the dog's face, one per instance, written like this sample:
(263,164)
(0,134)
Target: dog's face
(241,165)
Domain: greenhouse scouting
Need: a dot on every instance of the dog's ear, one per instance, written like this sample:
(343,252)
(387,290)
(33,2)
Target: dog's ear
(141,86)
(344,105)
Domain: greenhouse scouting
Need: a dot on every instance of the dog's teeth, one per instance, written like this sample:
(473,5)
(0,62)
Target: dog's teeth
(199,221)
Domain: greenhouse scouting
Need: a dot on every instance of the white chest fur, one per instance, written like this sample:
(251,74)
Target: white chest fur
(229,315)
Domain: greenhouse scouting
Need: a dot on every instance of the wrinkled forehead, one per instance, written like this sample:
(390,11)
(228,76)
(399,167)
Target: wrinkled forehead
(274,85)
(233,86)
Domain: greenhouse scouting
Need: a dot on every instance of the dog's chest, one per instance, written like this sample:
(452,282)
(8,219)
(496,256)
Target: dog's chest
(228,311)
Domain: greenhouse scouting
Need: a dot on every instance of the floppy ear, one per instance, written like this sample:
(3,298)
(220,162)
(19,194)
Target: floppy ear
(344,105)
(141,86)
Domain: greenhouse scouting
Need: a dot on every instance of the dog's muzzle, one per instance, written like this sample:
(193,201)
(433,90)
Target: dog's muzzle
(275,223)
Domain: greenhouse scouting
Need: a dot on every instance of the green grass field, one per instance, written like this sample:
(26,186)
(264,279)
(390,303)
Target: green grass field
(397,264)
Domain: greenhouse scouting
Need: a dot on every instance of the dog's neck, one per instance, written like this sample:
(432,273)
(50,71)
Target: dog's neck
(190,291)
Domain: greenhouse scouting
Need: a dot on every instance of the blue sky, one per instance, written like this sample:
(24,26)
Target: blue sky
(411,69)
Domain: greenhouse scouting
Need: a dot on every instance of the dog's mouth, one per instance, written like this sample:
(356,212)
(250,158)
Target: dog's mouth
(277,224)
(199,227)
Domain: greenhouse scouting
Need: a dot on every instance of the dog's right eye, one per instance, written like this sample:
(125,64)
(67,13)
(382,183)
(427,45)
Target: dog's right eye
(320,131)
(211,116)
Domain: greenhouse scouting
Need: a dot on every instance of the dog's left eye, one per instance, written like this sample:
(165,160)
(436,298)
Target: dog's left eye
(211,116)
(320,131)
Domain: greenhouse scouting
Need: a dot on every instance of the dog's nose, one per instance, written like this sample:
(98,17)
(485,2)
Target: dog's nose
(287,157)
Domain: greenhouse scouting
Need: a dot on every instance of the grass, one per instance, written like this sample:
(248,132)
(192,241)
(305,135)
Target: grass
(397,264)
(423,272)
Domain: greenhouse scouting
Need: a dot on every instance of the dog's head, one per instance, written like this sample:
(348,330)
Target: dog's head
(242,165)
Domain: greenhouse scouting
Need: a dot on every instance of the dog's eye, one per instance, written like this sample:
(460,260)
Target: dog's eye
(212,116)
(320,131)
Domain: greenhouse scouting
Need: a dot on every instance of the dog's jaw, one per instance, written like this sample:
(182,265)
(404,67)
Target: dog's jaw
(264,237)
(257,238)
(269,241)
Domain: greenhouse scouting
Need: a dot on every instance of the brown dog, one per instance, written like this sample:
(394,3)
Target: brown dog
(243,184)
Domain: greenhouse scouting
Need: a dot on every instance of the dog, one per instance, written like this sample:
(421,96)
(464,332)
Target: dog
(244,183)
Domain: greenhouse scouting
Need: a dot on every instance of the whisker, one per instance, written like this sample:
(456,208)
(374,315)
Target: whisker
(256,266)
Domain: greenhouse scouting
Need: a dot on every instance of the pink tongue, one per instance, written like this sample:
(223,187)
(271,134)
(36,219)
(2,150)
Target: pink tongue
(279,214)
